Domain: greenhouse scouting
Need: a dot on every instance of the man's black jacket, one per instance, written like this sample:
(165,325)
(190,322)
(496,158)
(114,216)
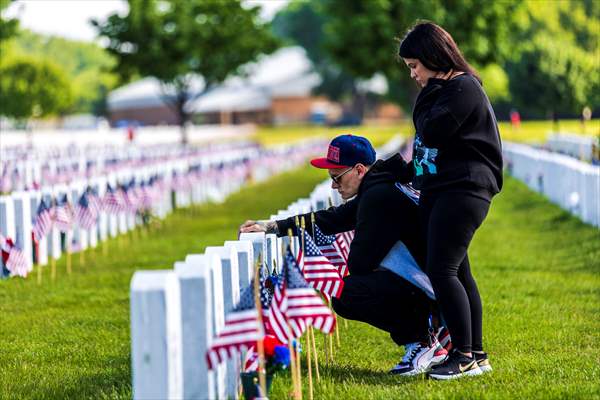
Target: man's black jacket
(381,214)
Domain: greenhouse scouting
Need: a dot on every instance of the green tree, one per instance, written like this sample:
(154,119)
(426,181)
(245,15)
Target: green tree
(555,68)
(8,26)
(87,66)
(360,34)
(173,39)
(33,88)
(301,23)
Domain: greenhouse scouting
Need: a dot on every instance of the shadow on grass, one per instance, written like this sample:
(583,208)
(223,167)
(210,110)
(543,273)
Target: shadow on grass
(364,376)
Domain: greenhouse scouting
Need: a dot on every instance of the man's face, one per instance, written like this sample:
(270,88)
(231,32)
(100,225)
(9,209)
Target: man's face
(347,180)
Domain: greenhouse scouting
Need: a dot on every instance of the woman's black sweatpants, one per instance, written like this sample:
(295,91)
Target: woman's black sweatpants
(449,221)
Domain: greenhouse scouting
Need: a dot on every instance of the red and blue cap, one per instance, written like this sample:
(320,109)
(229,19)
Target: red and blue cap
(346,151)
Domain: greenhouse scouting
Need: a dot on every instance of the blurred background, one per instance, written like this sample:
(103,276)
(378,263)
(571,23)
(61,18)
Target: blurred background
(300,65)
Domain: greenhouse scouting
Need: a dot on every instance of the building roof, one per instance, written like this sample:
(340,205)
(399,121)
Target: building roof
(285,73)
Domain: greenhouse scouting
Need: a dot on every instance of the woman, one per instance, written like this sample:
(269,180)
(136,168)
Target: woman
(457,165)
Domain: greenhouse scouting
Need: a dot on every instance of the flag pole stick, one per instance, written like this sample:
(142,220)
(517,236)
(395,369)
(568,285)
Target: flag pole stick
(327,353)
(52,268)
(301,237)
(308,341)
(293,361)
(39,274)
(68,255)
(314,349)
(259,343)
(308,360)
(337,335)
(81,258)
(294,354)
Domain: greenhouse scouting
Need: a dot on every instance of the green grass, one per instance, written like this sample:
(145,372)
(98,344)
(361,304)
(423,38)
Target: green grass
(537,267)
(530,131)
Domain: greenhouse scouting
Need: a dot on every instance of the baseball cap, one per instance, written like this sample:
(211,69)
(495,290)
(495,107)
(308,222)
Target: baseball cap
(346,151)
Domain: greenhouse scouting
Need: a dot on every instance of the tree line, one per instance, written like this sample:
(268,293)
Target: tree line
(540,57)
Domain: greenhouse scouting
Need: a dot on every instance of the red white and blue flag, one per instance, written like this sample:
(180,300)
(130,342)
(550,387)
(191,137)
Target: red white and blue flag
(43,221)
(331,249)
(113,201)
(13,257)
(344,240)
(242,327)
(85,216)
(63,215)
(296,305)
(318,271)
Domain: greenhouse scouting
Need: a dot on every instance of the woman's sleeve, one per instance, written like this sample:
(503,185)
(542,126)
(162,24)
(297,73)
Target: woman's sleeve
(396,165)
(442,120)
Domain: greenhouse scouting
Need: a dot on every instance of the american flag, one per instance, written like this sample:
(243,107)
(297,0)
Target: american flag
(43,221)
(330,248)
(242,328)
(318,271)
(112,201)
(296,305)
(13,257)
(94,200)
(63,214)
(344,240)
(130,197)
(85,216)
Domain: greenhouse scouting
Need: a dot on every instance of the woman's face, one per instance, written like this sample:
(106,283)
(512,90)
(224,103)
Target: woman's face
(419,72)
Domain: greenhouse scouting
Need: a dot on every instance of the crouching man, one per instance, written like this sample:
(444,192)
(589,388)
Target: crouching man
(385,288)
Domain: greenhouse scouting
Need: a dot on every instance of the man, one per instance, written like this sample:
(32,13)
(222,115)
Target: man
(385,287)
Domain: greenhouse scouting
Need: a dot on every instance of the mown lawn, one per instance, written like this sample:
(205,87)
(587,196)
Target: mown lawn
(529,132)
(538,270)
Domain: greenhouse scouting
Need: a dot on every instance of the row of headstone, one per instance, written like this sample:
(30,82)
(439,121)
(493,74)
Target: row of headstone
(175,314)
(18,210)
(572,184)
(578,146)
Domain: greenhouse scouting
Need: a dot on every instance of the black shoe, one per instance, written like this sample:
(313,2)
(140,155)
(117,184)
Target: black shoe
(456,366)
(483,361)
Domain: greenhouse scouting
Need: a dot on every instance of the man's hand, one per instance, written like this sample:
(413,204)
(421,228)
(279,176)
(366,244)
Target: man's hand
(258,226)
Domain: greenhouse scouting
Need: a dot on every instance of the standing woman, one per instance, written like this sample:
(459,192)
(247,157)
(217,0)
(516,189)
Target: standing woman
(457,165)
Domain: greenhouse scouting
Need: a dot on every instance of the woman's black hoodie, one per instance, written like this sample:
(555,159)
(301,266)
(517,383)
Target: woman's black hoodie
(457,145)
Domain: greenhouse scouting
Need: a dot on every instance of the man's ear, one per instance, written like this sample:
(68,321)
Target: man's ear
(362,170)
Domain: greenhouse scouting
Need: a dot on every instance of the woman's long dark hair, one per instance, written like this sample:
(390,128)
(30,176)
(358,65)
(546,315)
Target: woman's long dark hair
(435,48)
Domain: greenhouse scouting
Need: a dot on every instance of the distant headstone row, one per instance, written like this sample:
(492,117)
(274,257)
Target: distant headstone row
(584,148)
(572,184)
(80,214)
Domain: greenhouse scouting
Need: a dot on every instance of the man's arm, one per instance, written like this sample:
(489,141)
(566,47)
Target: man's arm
(333,220)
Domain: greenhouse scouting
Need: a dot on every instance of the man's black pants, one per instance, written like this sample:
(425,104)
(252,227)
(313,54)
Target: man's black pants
(388,302)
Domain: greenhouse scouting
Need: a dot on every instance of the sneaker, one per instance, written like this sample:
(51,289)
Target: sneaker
(457,365)
(483,361)
(443,336)
(419,358)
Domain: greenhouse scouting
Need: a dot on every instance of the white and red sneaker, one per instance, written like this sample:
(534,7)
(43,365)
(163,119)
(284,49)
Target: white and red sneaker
(419,358)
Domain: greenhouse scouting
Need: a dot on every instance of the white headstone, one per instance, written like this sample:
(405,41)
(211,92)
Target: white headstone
(7,224)
(258,244)
(42,245)
(271,252)
(245,253)
(54,244)
(218,314)
(23,226)
(156,355)
(231,295)
(197,329)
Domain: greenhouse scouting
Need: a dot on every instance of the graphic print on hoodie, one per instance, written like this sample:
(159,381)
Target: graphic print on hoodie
(424,158)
